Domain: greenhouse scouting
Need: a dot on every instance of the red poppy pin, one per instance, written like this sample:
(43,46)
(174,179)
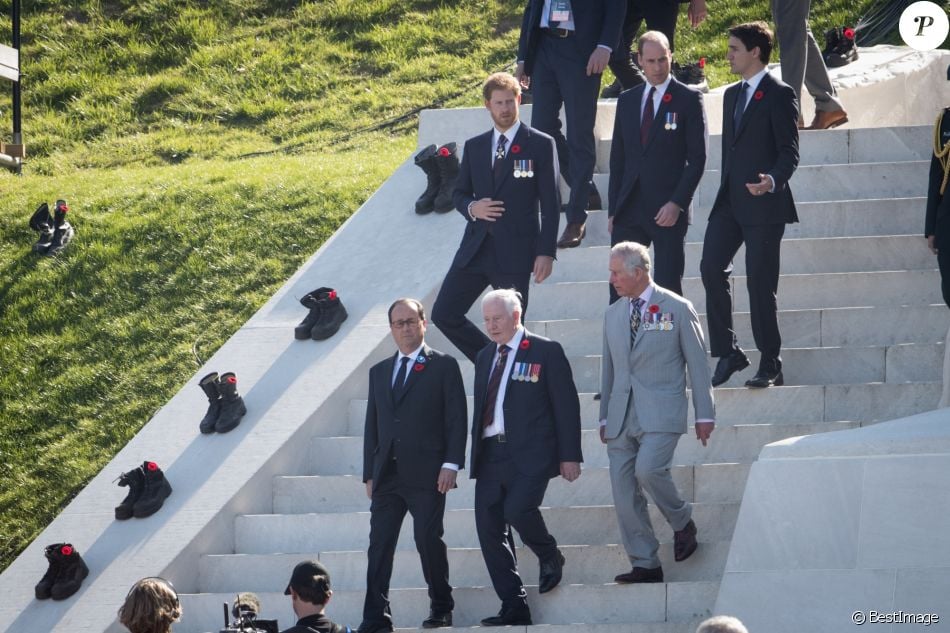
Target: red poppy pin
(232,380)
(849,33)
(667,98)
(653,309)
(444,151)
(702,62)
(515,149)
(525,344)
(758,95)
(66,550)
(151,466)
(332,295)
(418,367)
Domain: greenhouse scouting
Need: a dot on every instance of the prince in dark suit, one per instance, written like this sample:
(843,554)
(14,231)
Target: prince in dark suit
(656,161)
(937,219)
(525,430)
(413,446)
(507,191)
(753,205)
(564,47)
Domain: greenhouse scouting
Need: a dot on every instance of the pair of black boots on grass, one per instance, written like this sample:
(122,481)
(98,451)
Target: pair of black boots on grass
(441,167)
(55,232)
(840,49)
(225,404)
(148,490)
(64,575)
(326,315)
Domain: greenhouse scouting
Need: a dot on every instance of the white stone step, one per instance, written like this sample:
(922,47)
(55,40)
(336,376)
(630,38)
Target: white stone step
(735,443)
(587,299)
(590,604)
(586,564)
(345,493)
(799,256)
(349,531)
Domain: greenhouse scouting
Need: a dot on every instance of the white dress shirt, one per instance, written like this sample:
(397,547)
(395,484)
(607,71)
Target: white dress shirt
(657,95)
(509,136)
(498,424)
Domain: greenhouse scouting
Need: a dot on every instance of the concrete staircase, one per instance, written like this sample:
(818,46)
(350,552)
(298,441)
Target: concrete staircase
(862,323)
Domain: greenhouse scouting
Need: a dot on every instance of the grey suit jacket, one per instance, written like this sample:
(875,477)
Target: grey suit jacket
(653,374)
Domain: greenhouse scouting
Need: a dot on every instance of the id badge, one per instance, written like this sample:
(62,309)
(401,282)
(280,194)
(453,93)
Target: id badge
(560,11)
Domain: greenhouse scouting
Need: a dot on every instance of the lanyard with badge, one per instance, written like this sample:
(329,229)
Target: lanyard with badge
(560,11)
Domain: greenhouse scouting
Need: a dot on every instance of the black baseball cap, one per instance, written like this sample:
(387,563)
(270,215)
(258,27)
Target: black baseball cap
(305,575)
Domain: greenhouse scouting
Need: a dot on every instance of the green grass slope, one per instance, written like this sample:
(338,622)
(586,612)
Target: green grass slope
(206,149)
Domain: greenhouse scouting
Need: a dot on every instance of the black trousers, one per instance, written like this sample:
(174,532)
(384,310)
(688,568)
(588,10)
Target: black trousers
(763,245)
(462,287)
(659,15)
(391,500)
(503,497)
(669,255)
(942,242)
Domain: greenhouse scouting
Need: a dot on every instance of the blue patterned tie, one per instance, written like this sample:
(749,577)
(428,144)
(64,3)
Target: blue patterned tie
(635,320)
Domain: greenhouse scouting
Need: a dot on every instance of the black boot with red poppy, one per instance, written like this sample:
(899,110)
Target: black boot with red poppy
(840,49)
(332,314)
(425,160)
(134,480)
(155,490)
(64,575)
(42,223)
(232,404)
(315,302)
(447,160)
(63,231)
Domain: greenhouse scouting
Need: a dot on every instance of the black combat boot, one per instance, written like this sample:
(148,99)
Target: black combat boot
(840,49)
(312,302)
(232,405)
(63,231)
(42,223)
(209,384)
(425,160)
(44,587)
(447,160)
(65,573)
(154,492)
(135,481)
(332,316)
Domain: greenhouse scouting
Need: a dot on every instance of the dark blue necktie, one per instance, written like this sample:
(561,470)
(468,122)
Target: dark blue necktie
(740,107)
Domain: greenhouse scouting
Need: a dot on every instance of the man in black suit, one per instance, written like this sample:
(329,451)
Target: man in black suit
(413,446)
(507,176)
(656,161)
(525,430)
(753,205)
(564,47)
(937,219)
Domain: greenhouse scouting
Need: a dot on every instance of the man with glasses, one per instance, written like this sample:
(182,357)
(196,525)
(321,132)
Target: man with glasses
(413,447)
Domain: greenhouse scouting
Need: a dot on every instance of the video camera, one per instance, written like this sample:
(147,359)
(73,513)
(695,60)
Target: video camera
(244,610)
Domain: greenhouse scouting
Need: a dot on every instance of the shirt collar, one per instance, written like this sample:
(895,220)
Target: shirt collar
(412,356)
(754,80)
(661,88)
(515,340)
(645,296)
(510,133)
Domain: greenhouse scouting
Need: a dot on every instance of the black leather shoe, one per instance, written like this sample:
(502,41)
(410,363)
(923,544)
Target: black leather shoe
(684,542)
(640,574)
(550,575)
(437,620)
(766,378)
(728,365)
(510,617)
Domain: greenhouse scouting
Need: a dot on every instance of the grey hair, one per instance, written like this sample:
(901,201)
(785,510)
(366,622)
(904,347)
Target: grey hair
(508,297)
(633,255)
(722,624)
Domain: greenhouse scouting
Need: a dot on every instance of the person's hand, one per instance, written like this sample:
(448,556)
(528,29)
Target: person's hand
(369,489)
(696,12)
(598,61)
(704,430)
(610,225)
(570,470)
(446,481)
(543,265)
(487,209)
(760,188)
(522,78)
(668,215)
(932,243)
(603,433)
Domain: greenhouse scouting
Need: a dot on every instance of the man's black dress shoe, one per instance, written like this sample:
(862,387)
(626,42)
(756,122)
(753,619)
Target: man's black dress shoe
(510,617)
(684,542)
(728,365)
(765,378)
(550,574)
(437,620)
(640,574)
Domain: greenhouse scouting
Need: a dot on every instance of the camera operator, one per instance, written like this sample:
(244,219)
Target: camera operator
(309,591)
(150,607)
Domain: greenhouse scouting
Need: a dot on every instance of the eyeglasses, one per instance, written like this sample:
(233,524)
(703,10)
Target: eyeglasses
(398,325)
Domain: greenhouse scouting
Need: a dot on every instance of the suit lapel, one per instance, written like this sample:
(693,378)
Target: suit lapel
(508,161)
(387,379)
(425,355)
(661,112)
(520,355)
(656,299)
(762,88)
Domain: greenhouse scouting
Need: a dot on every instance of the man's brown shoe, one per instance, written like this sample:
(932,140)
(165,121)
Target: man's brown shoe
(827,120)
(684,542)
(572,235)
(640,574)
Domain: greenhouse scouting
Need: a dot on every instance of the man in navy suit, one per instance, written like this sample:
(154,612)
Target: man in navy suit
(656,161)
(564,47)
(753,205)
(526,429)
(507,191)
(413,446)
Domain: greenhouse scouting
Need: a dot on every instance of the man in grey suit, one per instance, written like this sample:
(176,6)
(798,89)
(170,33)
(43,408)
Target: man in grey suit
(652,338)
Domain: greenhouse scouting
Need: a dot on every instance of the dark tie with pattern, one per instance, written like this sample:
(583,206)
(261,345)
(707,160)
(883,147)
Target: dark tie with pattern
(647,121)
(488,413)
(635,320)
(400,381)
(499,164)
(740,107)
